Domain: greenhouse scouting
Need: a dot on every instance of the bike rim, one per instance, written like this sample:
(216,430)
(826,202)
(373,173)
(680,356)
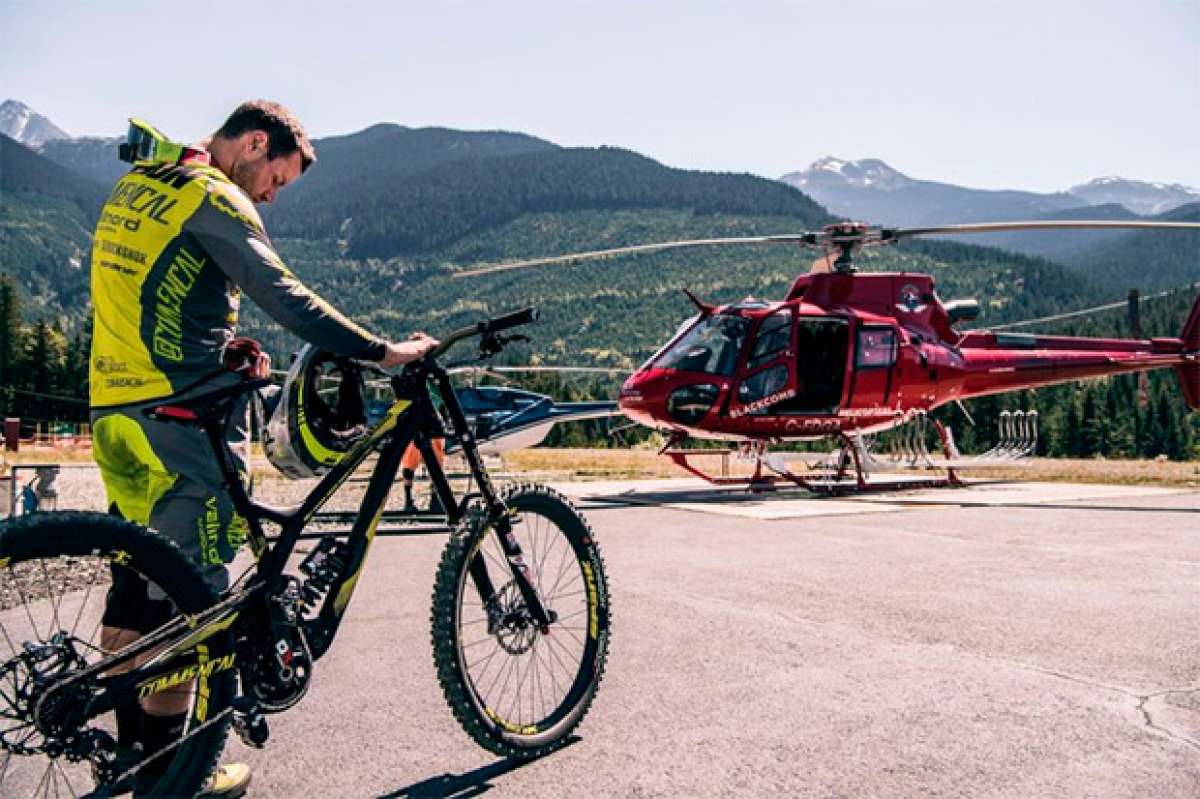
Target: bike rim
(524,681)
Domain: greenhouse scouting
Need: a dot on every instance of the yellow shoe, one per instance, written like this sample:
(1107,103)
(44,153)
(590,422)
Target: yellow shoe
(227,782)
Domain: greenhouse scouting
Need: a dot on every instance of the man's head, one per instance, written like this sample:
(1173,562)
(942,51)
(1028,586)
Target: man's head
(262,148)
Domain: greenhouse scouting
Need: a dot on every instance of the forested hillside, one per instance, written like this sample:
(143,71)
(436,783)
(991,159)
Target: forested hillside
(438,206)
(26,171)
(382,238)
(1150,259)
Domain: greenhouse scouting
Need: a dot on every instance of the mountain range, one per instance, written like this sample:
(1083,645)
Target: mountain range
(872,191)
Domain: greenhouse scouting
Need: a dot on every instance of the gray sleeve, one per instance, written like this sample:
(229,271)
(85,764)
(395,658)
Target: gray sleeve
(230,231)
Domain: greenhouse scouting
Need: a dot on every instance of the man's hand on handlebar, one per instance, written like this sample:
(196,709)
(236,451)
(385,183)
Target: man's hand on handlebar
(400,353)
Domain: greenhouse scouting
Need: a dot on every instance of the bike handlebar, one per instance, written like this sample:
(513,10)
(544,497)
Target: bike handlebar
(484,328)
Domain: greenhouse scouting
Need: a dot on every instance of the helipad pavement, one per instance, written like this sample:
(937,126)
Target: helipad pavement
(691,494)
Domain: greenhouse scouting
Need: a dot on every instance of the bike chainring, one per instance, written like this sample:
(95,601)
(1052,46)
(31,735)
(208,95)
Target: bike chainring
(279,667)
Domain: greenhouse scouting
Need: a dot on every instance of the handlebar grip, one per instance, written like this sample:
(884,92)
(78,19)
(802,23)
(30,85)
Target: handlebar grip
(516,319)
(483,328)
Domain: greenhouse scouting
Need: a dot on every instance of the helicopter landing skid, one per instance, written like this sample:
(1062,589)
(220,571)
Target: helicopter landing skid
(756,483)
(831,478)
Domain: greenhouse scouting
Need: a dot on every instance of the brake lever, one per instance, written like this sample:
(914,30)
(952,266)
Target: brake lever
(494,343)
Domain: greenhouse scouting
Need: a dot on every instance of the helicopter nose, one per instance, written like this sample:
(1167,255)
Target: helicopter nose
(638,396)
(632,394)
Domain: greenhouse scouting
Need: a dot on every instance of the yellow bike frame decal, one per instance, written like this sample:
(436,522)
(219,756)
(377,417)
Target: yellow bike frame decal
(202,669)
(347,590)
(389,422)
(203,633)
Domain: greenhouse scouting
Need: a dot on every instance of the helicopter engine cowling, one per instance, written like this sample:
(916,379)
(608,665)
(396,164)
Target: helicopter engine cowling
(962,310)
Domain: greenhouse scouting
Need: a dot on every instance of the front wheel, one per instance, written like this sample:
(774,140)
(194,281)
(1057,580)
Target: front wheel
(518,691)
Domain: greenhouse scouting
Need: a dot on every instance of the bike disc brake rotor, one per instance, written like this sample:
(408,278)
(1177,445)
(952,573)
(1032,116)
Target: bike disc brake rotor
(510,621)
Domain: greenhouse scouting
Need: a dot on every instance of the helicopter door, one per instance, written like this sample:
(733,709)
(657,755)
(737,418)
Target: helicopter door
(820,366)
(874,358)
(767,378)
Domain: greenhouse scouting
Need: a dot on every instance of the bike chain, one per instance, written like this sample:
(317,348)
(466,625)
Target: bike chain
(174,744)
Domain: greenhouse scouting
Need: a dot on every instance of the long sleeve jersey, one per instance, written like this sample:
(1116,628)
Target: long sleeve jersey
(174,248)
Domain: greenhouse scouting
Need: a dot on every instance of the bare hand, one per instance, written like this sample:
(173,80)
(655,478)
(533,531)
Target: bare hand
(261,370)
(400,353)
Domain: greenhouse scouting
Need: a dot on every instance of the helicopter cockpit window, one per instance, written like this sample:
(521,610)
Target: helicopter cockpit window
(712,346)
(774,335)
(876,347)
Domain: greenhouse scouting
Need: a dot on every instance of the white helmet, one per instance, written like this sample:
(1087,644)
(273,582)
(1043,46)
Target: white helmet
(320,416)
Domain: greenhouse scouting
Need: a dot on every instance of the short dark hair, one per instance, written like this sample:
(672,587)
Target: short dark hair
(285,135)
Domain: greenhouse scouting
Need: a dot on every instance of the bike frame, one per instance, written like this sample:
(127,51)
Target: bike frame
(413,418)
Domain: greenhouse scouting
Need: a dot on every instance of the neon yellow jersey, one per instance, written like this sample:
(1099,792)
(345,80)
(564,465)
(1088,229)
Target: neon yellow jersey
(174,248)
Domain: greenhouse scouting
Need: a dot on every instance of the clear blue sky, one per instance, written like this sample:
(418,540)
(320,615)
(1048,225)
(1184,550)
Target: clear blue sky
(1017,94)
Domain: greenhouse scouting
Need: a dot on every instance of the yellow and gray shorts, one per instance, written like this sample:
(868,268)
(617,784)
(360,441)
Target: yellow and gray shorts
(164,475)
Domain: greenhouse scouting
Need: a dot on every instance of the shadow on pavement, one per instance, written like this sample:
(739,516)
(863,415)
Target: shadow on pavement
(467,784)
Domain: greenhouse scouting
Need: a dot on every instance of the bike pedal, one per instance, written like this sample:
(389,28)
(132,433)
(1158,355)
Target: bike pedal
(249,723)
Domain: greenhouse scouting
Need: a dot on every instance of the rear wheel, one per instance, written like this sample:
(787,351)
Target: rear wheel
(517,691)
(55,573)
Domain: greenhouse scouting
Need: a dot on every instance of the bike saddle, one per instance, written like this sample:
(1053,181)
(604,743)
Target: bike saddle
(200,407)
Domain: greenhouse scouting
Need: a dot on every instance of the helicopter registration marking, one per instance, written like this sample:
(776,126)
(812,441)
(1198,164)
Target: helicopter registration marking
(813,425)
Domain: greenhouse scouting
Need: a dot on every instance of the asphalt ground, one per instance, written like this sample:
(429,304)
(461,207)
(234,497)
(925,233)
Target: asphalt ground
(1004,640)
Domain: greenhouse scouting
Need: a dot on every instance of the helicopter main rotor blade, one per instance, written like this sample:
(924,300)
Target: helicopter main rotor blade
(891,234)
(793,238)
(514,369)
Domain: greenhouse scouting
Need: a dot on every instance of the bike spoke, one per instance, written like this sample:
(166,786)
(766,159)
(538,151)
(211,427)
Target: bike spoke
(500,561)
(507,669)
(558,692)
(4,630)
(44,781)
(51,599)
(465,647)
(25,606)
(576,614)
(571,595)
(485,660)
(66,779)
(564,566)
(84,602)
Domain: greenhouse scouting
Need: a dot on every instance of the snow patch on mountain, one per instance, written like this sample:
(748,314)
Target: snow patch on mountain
(867,173)
(20,122)
(1140,196)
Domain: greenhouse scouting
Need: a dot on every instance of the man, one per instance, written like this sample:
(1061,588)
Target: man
(408,471)
(176,244)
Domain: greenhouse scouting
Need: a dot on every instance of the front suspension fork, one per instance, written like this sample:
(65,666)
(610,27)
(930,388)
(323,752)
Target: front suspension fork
(498,518)
(542,616)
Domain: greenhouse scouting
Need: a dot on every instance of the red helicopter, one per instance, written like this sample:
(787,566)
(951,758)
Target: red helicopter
(846,355)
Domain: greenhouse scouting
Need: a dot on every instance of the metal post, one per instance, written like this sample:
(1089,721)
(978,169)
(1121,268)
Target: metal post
(1135,330)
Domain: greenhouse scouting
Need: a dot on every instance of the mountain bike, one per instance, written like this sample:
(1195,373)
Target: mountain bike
(520,611)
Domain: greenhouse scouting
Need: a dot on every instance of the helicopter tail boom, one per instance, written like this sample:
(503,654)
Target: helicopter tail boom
(1189,373)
